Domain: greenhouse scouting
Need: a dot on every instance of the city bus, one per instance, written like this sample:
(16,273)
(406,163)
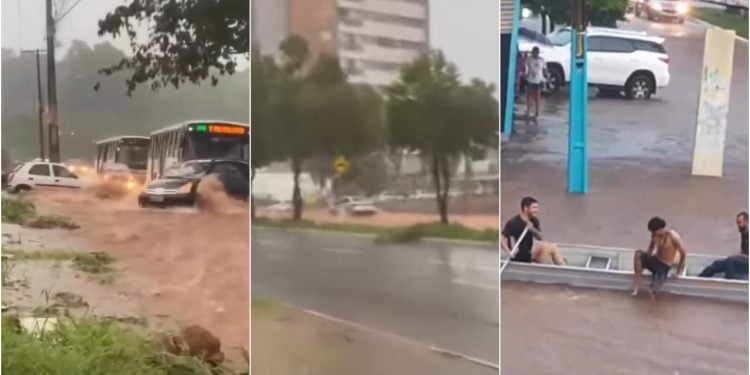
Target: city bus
(197,140)
(131,151)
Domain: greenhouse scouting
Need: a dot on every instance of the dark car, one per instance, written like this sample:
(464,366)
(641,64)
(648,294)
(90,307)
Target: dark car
(178,186)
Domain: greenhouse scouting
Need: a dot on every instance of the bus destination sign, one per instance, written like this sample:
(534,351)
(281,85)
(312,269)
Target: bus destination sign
(224,129)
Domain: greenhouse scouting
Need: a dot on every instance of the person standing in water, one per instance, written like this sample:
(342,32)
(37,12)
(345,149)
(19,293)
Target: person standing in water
(536,71)
(667,244)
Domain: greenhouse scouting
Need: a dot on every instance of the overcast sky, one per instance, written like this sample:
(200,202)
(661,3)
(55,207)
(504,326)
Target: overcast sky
(467,33)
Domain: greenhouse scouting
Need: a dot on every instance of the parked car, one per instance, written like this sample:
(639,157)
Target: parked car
(618,60)
(356,206)
(42,174)
(656,10)
(178,186)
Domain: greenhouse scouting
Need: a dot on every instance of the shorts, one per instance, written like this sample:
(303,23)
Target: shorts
(659,270)
(522,256)
(534,87)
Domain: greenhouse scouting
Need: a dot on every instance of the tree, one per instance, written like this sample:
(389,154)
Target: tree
(429,110)
(264,75)
(188,41)
(316,113)
(601,12)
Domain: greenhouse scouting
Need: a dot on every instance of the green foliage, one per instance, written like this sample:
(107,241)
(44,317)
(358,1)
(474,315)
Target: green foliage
(307,110)
(431,111)
(17,211)
(86,346)
(601,12)
(187,41)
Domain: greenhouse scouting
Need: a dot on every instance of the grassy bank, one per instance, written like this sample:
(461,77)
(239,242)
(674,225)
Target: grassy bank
(409,234)
(720,18)
(91,262)
(22,212)
(88,346)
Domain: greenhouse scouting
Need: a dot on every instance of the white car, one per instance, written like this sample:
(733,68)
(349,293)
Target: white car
(354,206)
(42,174)
(279,206)
(618,60)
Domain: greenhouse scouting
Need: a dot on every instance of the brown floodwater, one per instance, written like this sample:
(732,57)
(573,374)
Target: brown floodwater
(560,330)
(189,264)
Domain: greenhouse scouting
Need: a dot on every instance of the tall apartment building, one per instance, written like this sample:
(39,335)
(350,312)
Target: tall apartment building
(372,38)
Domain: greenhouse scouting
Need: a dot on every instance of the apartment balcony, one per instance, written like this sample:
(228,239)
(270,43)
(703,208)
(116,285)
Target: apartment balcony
(373,77)
(383,29)
(396,8)
(376,53)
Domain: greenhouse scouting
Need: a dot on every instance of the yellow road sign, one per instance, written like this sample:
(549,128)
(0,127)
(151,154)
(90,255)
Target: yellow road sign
(341,165)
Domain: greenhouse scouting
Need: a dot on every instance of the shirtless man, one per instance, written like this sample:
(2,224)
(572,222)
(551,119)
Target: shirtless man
(531,248)
(667,244)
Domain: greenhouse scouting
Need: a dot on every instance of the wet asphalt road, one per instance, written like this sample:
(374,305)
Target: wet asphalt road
(659,131)
(436,294)
(640,159)
(640,165)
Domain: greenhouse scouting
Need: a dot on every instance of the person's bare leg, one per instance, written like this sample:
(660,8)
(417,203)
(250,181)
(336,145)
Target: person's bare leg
(538,102)
(529,101)
(637,271)
(554,251)
(545,250)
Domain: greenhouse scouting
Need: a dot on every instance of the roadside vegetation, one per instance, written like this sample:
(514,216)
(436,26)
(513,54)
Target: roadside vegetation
(90,262)
(91,346)
(22,212)
(723,19)
(385,235)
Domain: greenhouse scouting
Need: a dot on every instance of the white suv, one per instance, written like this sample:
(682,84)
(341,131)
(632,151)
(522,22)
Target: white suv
(36,174)
(619,60)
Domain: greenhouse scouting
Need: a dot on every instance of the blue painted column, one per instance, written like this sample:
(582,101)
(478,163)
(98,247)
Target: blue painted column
(510,96)
(578,172)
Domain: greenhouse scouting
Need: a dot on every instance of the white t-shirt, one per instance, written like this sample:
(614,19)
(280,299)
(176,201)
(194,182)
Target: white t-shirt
(535,70)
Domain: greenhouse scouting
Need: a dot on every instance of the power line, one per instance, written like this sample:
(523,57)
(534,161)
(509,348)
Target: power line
(65,13)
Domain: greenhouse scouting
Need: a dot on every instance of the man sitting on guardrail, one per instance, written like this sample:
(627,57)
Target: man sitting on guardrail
(733,267)
(667,244)
(526,229)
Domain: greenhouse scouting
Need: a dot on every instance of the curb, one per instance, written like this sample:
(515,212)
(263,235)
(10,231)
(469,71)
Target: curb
(706,24)
(448,241)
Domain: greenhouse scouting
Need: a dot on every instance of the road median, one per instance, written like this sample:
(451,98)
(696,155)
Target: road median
(389,235)
(721,19)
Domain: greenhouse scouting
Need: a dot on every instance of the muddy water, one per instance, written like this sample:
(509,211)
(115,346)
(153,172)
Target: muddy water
(560,330)
(191,265)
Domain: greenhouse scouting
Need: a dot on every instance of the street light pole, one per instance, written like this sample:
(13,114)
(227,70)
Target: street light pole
(52,119)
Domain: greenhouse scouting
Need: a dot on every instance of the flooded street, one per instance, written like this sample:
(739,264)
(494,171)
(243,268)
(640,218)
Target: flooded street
(189,265)
(550,330)
(640,156)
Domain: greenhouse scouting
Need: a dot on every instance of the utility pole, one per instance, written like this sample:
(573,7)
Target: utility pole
(52,119)
(40,101)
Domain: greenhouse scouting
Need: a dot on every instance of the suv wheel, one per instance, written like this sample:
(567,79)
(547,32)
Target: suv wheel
(555,80)
(640,87)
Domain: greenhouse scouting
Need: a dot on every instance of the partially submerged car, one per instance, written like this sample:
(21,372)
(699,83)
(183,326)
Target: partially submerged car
(178,186)
(42,174)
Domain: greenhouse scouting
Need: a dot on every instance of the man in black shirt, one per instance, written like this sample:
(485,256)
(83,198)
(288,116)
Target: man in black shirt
(528,249)
(734,267)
